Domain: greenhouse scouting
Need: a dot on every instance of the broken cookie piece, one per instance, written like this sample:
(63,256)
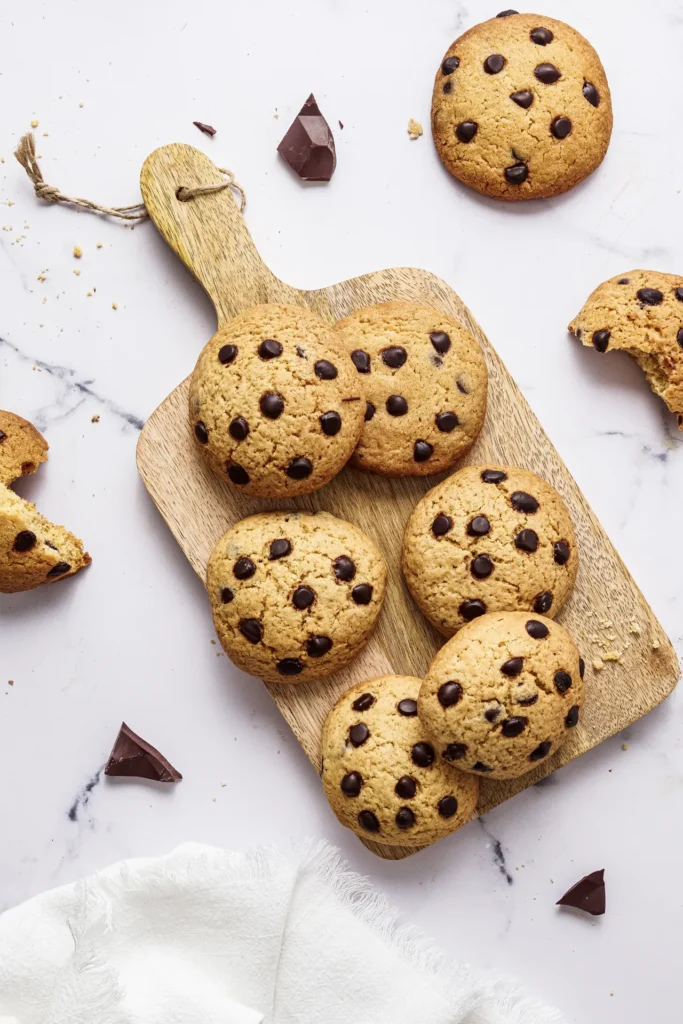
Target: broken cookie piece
(641,313)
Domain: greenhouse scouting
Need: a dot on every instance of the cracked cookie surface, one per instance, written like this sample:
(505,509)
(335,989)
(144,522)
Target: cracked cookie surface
(380,772)
(503,694)
(521,108)
(489,538)
(294,596)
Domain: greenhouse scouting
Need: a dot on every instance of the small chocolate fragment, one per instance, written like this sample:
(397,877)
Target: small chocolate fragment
(479,766)
(492,714)
(59,569)
(133,757)
(506,14)
(582,667)
(308,145)
(206,128)
(227,595)
(587,895)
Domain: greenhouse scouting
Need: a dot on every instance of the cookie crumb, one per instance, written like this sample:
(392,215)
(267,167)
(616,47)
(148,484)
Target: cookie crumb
(89,294)
(624,746)
(95,418)
(598,665)
(414,129)
(34,124)
(98,245)
(634,628)
(77,273)
(78,252)
(611,656)
(223,784)
(10,682)
(655,645)
(114,305)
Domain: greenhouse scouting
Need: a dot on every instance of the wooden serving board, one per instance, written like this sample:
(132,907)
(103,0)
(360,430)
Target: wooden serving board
(210,236)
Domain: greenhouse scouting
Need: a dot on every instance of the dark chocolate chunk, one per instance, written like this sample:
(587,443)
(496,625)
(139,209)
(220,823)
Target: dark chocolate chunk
(506,14)
(362,594)
(454,751)
(562,681)
(446,422)
(279,549)
(587,895)
(351,784)
(517,174)
(523,502)
(3,435)
(407,707)
(547,73)
(201,433)
(251,630)
(406,787)
(591,93)
(303,597)
(512,727)
(133,757)
(317,646)
(422,755)
(308,145)
(344,568)
(270,349)
(678,292)
(422,450)
(478,527)
(226,595)
(447,87)
(526,702)
(561,127)
(358,734)
(601,339)
(523,98)
(479,766)
(330,423)
(492,714)
(449,65)
(238,475)
(368,821)
(449,693)
(481,567)
(650,296)
(624,280)
(405,818)
(361,360)
(325,369)
(24,540)
(239,428)
(541,36)
(243,568)
(537,630)
(59,569)
(300,468)
(527,540)
(541,751)
(362,703)
(572,717)
(494,64)
(472,609)
(561,552)
(441,341)
(466,131)
(543,603)
(396,405)
(582,667)
(227,354)
(289,667)
(369,411)
(441,525)
(394,356)
(447,806)
(206,128)
(512,667)
(493,476)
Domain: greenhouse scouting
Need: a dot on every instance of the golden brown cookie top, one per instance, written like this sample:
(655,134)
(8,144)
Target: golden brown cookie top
(22,447)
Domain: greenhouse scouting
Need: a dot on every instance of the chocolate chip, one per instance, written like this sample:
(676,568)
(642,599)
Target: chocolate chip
(449,693)
(251,630)
(289,667)
(441,341)
(466,131)
(479,766)
(541,751)
(650,296)
(351,784)
(3,435)
(601,340)
(24,540)
(325,369)
(358,734)
(517,174)
(563,681)
(492,714)
(512,727)
(396,405)
(582,667)
(591,93)
(201,433)
(272,405)
(362,703)
(300,468)
(506,14)
(361,360)
(422,450)
(527,540)
(368,821)
(362,594)
(446,422)
(394,356)
(561,127)
(478,527)
(238,475)
(447,806)
(472,609)
(481,567)
(244,568)
(494,64)
(524,98)
(407,707)
(679,336)
(449,65)
(512,667)
(303,597)
(344,568)
(547,73)
(270,349)
(406,787)
(300,352)
(537,630)
(493,476)
(239,428)
(526,702)
(523,502)
(226,595)
(447,87)
(678,292)
(624,280)
(462,386)
(330,423)
(561,552)
(405,818)
(279,548)
(317,646)
(454,751)
(572,717)
(227,354)
(441,525)
(541,36)
(369,411)
(543,603)
(422,755)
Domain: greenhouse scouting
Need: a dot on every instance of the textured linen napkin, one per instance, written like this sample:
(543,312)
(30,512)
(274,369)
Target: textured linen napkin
(205,935)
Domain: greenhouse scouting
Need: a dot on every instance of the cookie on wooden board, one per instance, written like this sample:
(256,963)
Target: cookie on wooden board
(521,107)
(294,596)
(640,312)
(274,406)
(381,775)
(503,694)
(425,384)
(489,538)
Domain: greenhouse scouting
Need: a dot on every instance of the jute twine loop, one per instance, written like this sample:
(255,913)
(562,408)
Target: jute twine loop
(26,155)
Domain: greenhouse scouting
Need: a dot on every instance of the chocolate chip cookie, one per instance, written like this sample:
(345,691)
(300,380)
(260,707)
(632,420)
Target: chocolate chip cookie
(382,775)
(521,107)
(489,538)
(275,408)
(503,695)
(425,386)
(294,596)
(640,312)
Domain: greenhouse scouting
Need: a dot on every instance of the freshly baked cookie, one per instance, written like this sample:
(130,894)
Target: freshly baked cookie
(425,383)
(274,406)
(294,596)
(382,777)
(489,538)
(32,549)
(503,694)
(521,107)
(640,312)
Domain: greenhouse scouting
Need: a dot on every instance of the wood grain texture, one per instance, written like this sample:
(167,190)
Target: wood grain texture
(211,238)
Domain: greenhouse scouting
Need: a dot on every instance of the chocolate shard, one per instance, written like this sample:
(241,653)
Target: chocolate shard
(133,757)
(206,128)
(587,895)
(308,146)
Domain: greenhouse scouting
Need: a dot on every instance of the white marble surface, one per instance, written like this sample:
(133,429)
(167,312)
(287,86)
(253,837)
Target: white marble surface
(132,638)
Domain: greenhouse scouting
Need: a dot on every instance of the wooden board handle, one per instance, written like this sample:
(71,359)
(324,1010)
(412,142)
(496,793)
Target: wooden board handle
(208,233)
